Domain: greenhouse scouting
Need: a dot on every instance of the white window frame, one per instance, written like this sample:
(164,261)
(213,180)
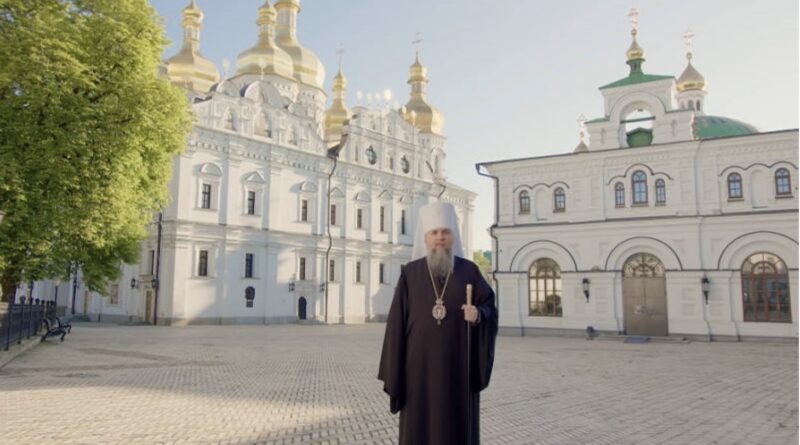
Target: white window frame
(211,174)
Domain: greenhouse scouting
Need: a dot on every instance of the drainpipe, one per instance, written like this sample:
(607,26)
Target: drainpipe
(496,248)
(700,232)
(333,154)
(157,283)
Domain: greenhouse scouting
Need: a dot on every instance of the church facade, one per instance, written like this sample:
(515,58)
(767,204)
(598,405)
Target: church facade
(265,224)
(670,222)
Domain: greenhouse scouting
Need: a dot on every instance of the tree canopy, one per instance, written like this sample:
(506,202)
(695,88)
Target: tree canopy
(87,133)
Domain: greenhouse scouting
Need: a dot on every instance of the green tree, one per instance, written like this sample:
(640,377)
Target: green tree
(482,262)
(87,133)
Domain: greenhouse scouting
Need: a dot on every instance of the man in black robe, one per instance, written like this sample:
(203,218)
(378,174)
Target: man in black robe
(424,359)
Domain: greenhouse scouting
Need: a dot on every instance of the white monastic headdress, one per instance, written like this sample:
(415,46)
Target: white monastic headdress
(438,215)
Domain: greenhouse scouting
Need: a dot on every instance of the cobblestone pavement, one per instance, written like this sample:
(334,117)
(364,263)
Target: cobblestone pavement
(295,384)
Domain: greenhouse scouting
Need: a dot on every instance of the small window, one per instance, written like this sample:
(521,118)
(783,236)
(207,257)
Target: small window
(202,264)
(559,200)
(639,186)
(524,203)
(358,271)
(230,121)
(372,157)
(248,265)
(359,218)
(251,202)
(380,274)
(383,218)
(619,195)
(205,202)
(151,263)
(402,222)
(405,165)
(302,268)
(332,270)
(333,214)
(304,210)
(783,182)
(661,192)
(734,186)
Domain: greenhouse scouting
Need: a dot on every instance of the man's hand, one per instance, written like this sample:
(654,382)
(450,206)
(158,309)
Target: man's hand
(470,313)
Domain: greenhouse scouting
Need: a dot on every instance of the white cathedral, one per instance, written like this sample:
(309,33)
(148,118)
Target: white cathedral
(669,222)
(260,228)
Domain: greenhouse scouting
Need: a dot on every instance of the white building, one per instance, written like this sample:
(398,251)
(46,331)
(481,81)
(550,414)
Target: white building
(671,222)
(245,235)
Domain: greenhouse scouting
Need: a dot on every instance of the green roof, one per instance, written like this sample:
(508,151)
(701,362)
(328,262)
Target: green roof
(634,78)
(709,127)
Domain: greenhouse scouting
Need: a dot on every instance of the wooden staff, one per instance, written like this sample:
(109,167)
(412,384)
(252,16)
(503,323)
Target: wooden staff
(468,423)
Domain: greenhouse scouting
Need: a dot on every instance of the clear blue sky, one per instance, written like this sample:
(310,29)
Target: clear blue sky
(512,76)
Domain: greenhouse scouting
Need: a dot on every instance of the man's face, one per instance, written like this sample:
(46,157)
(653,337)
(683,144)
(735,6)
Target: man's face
(438,239)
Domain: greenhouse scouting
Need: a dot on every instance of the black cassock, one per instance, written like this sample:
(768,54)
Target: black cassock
(423,365)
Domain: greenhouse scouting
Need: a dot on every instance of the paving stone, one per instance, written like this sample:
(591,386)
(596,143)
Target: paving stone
(292,384)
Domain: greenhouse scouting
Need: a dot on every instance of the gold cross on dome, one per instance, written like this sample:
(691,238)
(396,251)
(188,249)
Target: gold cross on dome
(687,40)
(634,17)
(339,53)
(417,42)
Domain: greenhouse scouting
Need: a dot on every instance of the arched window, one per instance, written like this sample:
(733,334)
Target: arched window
(691,104)
(698,105)
(262,126)
(783,182)
(639,186)
(661,192)
(524,203)
(559,200)
(405,165)
(230,121)
(544,282)
(372,157)
(619,195)
(734,186)
(765,289)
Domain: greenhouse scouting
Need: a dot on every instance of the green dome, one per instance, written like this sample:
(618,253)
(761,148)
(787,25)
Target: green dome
(709,127)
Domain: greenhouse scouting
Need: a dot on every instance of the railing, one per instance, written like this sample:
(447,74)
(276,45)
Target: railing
(19,321)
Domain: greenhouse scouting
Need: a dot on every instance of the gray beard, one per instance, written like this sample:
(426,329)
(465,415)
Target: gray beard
(440,262)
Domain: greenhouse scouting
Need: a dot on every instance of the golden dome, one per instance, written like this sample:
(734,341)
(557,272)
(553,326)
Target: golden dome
(308,69)
(338,113)
(690,79)
(418,111)
(266,57)
(189,68)
(635,51)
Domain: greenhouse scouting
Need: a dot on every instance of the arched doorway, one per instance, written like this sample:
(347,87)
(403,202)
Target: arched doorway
(644,296)
(301,308)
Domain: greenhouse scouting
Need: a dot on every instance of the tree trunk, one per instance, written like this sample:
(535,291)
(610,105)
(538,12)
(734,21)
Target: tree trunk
(9,287)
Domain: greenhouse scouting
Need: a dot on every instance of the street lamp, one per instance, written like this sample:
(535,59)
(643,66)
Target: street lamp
(705,283)
(586,288)
(134,283)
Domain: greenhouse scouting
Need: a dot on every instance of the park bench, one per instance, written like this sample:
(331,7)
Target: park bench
(55,327)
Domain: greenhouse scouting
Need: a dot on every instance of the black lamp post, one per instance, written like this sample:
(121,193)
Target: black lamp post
(74,285)
(586,288)
(705,284)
